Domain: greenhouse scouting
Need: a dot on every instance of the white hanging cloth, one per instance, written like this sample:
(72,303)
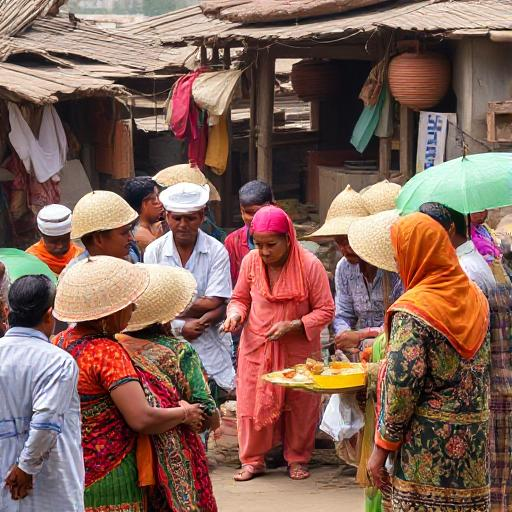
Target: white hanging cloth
(45,156)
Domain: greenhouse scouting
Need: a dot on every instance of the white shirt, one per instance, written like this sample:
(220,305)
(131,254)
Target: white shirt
(475,266)
(209,264)
(40,426)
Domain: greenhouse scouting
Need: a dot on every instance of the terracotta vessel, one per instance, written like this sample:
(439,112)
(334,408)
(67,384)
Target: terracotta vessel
(316,79)
(419,80)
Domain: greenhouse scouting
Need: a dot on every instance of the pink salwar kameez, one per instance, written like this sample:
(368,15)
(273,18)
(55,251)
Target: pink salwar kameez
(268,414)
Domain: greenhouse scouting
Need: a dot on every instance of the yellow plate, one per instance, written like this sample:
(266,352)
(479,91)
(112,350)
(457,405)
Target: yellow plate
(350,380)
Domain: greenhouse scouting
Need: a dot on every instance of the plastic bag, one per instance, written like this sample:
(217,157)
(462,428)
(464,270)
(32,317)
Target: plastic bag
(342,418)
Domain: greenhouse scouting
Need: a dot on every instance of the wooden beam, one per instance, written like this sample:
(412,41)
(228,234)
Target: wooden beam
(406,142)
(385,158)
(346,52)
(265,115)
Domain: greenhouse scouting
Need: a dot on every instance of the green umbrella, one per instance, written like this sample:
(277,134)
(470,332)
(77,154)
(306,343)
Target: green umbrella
(19,264)
(468,184)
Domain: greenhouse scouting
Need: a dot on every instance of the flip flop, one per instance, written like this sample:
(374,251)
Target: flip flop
(298,471)
(248,472)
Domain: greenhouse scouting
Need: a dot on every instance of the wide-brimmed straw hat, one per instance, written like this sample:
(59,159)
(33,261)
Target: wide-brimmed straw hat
(346,206)
(370,239)
(97,287)
(185,173)
(100,210)
(381,197)
(170,292)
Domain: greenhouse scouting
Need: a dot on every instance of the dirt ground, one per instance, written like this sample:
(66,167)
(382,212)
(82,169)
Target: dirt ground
(327,489)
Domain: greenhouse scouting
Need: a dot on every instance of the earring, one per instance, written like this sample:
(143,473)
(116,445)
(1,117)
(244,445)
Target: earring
(104,327)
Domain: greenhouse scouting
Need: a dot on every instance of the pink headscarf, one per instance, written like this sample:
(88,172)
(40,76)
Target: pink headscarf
(271,219)
(291,284)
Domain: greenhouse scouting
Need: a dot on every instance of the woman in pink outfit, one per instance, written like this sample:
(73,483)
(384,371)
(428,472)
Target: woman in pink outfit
(283,299)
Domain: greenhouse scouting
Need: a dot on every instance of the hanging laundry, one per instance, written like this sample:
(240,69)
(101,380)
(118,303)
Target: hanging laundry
(187,121)
(368,122)
(46,155)
(218,146)
(214,91)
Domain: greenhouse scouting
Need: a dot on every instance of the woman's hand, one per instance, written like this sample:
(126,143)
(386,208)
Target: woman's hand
(347,339)
(232,322)
(376,468)
(280,329)
(194,416)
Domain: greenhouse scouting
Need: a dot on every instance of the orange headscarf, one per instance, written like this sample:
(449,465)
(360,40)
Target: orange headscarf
(437,289)
(56,264)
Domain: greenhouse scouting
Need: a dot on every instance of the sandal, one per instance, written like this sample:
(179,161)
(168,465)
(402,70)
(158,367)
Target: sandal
(248,472)
(298,471)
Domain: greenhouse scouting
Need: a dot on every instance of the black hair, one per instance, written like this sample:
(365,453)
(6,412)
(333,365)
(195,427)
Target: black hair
(446,217)
(439,212)
(459,221)
(255,193)
(137,189)
(30,297)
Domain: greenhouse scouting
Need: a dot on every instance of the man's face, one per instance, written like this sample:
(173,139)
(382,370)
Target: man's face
(249,211)
(152,208)
(346,250)
(185,226)
(57,245)
(115,242)
(479,217)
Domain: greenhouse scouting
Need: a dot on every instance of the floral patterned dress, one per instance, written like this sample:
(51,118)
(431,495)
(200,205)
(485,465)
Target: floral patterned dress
(436,404)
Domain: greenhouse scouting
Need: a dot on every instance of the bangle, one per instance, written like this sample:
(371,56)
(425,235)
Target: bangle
(185,417)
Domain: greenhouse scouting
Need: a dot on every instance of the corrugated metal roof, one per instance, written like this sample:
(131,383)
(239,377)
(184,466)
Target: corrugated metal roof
(61,37)
(269,11)
(49,84)
(424,16)
(15,15)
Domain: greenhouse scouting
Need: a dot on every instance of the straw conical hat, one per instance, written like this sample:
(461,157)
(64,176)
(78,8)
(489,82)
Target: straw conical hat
(185,173)
(346,206)
(169,293)
(381,196)
(370,238)
(98,287)
(100,210)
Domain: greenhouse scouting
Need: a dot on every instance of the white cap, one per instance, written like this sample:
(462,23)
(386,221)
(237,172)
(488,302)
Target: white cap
(185,197)
(54,220)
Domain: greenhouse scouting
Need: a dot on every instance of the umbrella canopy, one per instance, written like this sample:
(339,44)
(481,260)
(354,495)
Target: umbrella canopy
(19,264)
(468,184)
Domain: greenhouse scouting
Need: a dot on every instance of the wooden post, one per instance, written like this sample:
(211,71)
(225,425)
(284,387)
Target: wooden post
(215,56)
(385,158)
(265,108)
(253,113)
(406,142)
(226,57)
(204,56)
(314,110)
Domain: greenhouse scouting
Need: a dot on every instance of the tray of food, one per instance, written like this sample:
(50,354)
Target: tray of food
(315,376)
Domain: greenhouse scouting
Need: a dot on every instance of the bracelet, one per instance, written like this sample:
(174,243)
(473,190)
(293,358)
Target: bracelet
(185,410)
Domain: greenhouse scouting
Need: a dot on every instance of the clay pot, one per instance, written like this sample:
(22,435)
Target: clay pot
(316,79)
(419,80)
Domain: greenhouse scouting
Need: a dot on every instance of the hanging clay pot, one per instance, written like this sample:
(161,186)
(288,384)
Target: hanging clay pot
(316,79)
(419,80)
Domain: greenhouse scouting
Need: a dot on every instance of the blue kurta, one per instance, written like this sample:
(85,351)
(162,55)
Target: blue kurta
(40,423)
